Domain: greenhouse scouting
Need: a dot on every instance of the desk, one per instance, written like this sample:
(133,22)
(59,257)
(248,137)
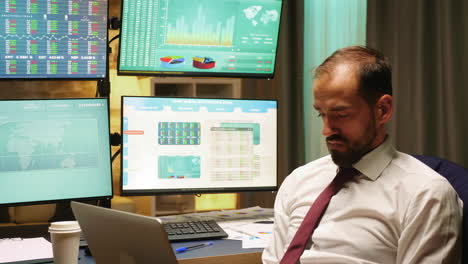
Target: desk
(223,251)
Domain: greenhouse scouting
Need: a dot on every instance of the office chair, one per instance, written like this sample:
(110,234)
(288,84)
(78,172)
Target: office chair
(458,177)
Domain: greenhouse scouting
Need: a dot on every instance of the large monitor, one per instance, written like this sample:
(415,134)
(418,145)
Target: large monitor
(54,150)
(193,145)
(53,39)
(230,38)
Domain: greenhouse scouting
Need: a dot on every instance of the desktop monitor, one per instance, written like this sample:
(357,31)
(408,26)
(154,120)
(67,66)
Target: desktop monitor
(194,145)
(54,150)
(230,38)
(53,39)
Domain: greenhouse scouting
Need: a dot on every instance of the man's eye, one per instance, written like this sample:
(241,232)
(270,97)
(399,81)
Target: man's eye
(341,115)
(320,115)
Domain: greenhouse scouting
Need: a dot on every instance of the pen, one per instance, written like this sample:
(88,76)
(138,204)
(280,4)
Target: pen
(183,249)
(264,222)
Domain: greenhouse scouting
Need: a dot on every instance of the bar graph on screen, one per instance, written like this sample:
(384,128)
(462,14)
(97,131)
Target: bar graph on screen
(199,28)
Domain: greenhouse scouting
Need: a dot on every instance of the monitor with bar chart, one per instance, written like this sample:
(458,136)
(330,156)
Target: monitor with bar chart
(229,38)
(53,39)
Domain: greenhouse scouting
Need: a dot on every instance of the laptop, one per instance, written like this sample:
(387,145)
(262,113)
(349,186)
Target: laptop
(121,237)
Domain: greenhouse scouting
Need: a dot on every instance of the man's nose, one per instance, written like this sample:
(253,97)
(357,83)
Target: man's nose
(328,127)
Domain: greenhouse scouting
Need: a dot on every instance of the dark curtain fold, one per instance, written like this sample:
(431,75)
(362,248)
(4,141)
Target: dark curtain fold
(287,88)
(427,43)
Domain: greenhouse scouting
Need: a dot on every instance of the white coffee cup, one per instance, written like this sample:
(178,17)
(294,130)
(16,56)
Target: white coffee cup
(65,237)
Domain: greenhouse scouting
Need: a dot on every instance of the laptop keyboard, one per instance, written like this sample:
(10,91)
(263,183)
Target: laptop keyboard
(194,230)
(83,241)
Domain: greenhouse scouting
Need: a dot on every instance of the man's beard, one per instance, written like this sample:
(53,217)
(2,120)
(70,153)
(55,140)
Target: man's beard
(354,153)
(348,158)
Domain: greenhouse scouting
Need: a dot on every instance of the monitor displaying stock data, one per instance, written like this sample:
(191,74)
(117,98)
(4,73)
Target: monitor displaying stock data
(230,38)
(48,39)
(194,145)
(54,150)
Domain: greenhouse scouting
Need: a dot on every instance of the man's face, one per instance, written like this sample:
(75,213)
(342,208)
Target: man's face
(349,122)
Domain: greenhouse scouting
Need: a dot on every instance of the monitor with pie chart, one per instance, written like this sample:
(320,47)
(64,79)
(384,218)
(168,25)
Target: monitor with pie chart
(229,38)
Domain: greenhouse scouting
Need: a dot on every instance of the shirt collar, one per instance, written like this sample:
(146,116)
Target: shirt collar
(374,162)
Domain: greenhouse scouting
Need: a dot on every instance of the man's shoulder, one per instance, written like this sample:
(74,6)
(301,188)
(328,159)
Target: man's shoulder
(411,170)
(411,165)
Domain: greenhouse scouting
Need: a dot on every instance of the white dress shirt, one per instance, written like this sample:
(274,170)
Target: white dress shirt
(397,211)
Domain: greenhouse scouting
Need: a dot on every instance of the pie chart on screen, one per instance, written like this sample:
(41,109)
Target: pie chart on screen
(172,61)
(203,63)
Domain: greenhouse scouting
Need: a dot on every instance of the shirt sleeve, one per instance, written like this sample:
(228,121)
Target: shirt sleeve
(432,227)
(276,247)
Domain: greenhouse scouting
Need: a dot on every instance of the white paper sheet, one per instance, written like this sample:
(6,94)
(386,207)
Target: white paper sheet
(253,242)
(17,249)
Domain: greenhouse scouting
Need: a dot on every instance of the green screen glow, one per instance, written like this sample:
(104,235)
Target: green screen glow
(54,150)
(204,37)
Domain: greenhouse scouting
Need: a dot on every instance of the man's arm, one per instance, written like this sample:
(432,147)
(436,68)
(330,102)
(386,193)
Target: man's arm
(275,250)
(432,227)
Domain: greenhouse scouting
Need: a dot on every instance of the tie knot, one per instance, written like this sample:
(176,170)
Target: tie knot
(345,174)
(347,170)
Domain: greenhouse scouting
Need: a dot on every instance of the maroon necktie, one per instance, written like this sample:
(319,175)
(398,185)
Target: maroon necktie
(311,220)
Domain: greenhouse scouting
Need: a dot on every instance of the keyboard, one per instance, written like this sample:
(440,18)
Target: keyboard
(83,241)
(194,230)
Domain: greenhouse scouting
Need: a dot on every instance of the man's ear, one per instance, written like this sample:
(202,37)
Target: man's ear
(384,109)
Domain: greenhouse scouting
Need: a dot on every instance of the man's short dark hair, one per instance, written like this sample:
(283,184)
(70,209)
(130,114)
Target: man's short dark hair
(372,69)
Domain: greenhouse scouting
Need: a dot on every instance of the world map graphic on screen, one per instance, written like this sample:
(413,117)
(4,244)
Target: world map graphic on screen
(44,144)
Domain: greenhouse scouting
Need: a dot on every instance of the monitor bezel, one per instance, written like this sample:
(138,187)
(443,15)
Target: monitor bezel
(86,199)
(91,198)
(156,192)
(106,74)
(200,74)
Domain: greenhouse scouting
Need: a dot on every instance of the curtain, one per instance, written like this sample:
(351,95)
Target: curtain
(328,25)
(427,44)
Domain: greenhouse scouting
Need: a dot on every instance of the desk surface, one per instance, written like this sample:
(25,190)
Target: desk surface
(222,251)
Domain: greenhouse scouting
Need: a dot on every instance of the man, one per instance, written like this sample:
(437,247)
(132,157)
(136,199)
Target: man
(394,209)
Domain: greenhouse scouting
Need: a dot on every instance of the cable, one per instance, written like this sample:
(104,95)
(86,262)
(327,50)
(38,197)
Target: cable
(115,154)
(114,38)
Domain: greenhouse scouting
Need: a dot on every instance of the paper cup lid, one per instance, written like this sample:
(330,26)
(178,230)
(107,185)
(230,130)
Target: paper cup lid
(64,227)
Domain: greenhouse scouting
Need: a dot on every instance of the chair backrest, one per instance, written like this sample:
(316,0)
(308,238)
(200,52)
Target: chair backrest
(458,177)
